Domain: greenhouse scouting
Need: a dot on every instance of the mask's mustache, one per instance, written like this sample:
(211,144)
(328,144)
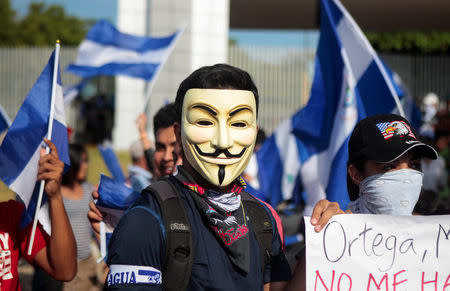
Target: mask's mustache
(217,152)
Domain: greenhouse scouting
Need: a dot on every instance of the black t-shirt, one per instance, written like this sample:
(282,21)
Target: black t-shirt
(137,250)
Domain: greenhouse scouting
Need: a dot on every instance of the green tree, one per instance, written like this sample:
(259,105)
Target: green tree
(7,24)
(43,26)
(411,42)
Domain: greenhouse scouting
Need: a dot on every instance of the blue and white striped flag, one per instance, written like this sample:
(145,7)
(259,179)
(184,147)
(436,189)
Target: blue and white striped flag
(107,51)
(5,122)
(20,150)
(349,84)
(279,161)
(114,198)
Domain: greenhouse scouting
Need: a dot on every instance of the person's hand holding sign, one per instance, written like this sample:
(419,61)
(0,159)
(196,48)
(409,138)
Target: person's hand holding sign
(322,213)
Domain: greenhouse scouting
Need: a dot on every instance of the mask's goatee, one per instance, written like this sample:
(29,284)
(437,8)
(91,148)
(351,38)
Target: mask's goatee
(221,173)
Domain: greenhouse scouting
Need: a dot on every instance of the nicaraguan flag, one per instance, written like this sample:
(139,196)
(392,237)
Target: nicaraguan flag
(349,84)
(114,198)
(107,51)
(279,160)
(112,162)
(5,122)
(20,150)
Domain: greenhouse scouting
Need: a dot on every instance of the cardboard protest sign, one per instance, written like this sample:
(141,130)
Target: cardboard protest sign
(379,252)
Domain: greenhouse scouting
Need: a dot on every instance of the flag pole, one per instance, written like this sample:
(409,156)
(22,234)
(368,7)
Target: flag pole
(5,116)
(102,242)
(159,69)
(47,149)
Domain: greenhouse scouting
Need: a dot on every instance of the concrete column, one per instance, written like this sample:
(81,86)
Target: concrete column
(129,91)
(204,42)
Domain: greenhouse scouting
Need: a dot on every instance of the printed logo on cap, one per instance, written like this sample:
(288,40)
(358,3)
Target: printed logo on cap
(395,128)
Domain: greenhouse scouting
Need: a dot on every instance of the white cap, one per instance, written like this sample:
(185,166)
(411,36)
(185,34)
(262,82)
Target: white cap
(136,150)
(431,99)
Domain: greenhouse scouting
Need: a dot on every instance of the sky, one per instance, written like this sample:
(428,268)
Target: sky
(107,9)
(98,9)
(284,38)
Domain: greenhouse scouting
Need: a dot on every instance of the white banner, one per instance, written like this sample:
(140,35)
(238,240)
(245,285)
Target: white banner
(379,252)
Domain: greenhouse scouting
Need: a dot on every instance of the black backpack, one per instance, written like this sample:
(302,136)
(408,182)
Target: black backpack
(179,247)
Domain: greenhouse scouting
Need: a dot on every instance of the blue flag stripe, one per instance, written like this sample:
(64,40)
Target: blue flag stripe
(270,171)
(145,71)
(105,33)
(337,186)
(17,149)
(114,194)
(111,161)
(106,51)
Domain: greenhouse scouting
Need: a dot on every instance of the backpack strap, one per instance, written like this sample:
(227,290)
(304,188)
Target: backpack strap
(261,224)
(179,247)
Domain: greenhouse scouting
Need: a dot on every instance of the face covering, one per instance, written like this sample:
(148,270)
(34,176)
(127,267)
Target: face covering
(218,132)
(393,193)
(224,214)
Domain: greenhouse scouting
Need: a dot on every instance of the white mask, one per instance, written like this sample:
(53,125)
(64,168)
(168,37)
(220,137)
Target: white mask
(218,132)
(393,192)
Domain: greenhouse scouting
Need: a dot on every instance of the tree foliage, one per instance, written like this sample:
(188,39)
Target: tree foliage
(411,42)
(7,24)
(42,26)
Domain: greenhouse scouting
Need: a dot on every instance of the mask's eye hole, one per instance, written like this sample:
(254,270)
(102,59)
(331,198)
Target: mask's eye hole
(204,123)
(239,124)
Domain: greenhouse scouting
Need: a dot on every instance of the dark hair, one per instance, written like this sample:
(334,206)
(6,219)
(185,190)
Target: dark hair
(219,76)
(370,141)
(260,136)
(352,188)
(442,127)
(75,153)
(165,117)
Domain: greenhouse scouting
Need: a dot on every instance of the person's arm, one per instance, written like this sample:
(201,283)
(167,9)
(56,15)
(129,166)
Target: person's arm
(95,216)
(298,282)
(141,125)
(137,246)
(322,213)
(59,257)
(147,145)
(275,286)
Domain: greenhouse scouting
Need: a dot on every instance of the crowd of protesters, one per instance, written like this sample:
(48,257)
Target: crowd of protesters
(54,254)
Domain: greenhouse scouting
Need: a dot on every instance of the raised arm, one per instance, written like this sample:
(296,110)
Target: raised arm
(59,257)
(322,213)
(141,122)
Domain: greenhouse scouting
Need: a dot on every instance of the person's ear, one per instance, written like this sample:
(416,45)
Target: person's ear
(355,174)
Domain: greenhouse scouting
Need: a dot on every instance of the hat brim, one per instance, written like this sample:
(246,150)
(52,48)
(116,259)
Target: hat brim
(385,154)
(426,151)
